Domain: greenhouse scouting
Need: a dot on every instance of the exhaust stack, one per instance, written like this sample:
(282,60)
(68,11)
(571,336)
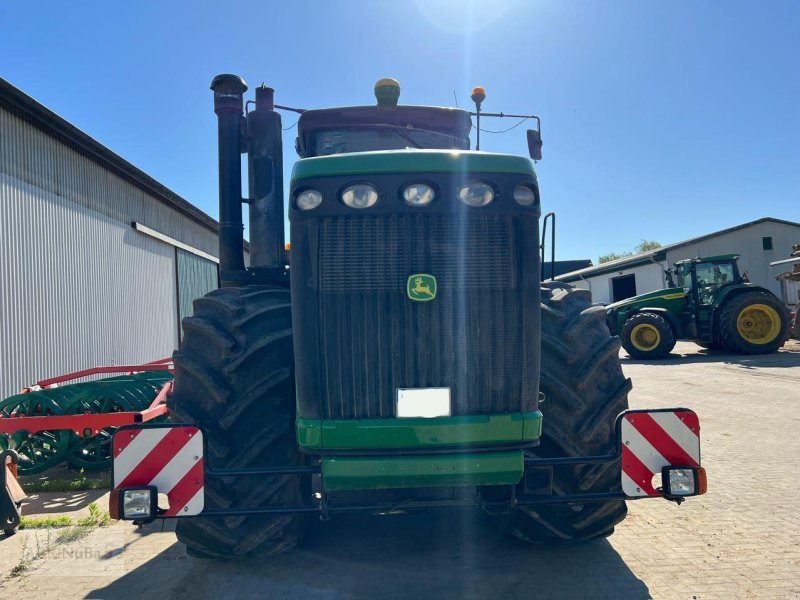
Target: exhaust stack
(228,105)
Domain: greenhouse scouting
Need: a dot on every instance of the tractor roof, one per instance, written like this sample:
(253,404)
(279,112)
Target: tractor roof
(710,259)
(450,121)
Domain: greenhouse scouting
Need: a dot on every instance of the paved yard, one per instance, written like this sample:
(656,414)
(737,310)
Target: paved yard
(741,540)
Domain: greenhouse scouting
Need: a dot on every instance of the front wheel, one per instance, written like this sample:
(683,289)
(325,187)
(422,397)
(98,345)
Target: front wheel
(234,377)
(648,335)
(584,391)
(753,323)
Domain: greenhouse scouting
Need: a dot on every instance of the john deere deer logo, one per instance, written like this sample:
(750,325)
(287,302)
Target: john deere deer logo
(421,287)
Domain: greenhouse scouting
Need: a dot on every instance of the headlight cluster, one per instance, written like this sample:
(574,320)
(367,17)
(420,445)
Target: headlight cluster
(366,195)
(476,193)
(360,195)
(308,199)
(418,194)
(524,195)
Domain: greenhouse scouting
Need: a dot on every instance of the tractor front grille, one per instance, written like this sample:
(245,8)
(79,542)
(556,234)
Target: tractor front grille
(363,338)
(379,253)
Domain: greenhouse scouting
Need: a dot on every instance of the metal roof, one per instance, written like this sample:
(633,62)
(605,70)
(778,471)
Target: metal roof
(45,119)
(566,266)
(659,254)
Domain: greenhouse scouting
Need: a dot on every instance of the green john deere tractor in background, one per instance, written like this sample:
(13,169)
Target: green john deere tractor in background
(711,303)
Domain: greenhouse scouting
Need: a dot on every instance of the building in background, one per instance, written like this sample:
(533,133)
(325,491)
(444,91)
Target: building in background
(759,243)
(98,261)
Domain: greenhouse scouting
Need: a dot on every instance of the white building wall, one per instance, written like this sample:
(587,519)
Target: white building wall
(748,242)
(648,277)
(77,289)
(32,155)
(79,286)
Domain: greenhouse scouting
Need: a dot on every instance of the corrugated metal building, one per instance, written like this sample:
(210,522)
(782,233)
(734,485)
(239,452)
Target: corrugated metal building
(758,242)
(98,261)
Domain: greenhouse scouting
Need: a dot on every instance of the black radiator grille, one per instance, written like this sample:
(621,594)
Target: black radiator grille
(475,337)
(379,253)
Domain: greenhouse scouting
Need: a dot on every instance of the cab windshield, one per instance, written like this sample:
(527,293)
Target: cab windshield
(711,277)
(380,137)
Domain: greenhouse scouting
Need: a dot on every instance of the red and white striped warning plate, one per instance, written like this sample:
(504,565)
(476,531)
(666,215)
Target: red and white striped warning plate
(169,458)
(652,440)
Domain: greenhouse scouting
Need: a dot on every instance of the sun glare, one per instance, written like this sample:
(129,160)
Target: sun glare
(462,16)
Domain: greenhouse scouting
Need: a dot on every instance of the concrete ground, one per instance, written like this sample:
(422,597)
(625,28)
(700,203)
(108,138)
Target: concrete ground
(741,540)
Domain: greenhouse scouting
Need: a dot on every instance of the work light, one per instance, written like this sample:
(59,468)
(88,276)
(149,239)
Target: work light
(418,194)
(138,503)
(360,195)
(476,193)
(683,481)
(524,195)
(308,199)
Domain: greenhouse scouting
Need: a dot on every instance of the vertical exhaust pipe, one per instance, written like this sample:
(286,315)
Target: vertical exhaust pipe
(228,105)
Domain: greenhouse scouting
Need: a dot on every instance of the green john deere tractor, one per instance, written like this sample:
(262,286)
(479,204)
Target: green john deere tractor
(711,304)
(396,357)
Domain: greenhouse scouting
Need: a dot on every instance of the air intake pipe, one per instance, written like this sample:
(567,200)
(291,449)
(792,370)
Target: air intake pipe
(265,172)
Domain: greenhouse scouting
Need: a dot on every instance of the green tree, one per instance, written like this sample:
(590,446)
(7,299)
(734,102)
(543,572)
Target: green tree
(646,246)
(613,256)
(643,246)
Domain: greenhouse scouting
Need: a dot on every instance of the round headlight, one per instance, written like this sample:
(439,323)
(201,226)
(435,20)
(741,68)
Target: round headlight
(476,193)
(524,195)
(308,199)
(360,195)
(418,194)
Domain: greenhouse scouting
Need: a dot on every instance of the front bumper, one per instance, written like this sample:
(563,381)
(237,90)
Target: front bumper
(376,436)
(650,445)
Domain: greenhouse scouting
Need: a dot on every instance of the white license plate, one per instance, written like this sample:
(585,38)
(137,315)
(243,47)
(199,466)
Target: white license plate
(423,402)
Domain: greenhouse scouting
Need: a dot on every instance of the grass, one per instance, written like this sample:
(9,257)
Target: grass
(48,522)
(80,483)
(72,534)
(95,518)
(27,560)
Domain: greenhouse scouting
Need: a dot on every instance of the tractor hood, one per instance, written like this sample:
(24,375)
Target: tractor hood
(667,294)
(411,161)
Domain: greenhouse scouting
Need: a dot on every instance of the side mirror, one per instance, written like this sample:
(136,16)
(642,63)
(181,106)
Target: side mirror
(535,144)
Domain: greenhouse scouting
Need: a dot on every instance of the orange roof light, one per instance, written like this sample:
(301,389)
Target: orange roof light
(287,246)
(478,95)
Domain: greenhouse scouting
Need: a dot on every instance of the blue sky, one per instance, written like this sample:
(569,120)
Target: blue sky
(660,120)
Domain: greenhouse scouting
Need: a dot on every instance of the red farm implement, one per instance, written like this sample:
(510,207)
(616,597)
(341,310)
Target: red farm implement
(57,420)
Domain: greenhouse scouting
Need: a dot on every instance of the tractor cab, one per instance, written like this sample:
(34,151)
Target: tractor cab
(701,278)
(383,126)
(387,126)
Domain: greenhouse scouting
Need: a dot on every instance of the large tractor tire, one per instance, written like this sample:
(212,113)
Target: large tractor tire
(234,377)
(753,323)
(647,336)
(584,392)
